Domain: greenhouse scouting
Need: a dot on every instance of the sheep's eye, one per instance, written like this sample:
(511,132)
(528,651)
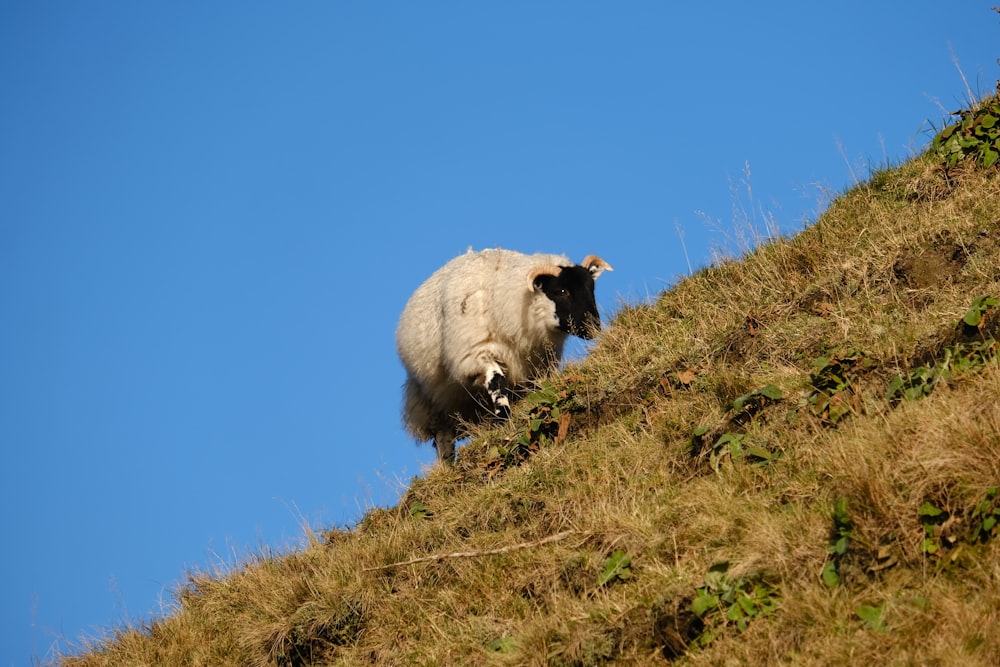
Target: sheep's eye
(562,291)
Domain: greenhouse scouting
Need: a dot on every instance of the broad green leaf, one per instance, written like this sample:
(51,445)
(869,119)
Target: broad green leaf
(547,394)
(990,157)
(872,616)
(771,392)
(616,567)
(930,510)
(703,603)
(973,316)
(748,605)
(502,645)
(707,638)
(840,516)
(716,575)
(728,439)
(894,386)
(830,575)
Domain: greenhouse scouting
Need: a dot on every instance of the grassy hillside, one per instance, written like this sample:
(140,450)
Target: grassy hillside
(788,459)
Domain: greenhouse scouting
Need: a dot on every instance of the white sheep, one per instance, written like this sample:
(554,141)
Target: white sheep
(482,325)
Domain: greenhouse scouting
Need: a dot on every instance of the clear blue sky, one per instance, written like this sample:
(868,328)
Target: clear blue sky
(211,215)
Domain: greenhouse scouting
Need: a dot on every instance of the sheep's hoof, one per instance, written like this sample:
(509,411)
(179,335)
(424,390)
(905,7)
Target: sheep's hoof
(444,443)
(446,454)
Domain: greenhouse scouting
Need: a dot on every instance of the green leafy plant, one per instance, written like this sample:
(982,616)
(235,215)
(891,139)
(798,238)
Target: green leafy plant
(943,531)
(618,567)
(955,359)
(918,383)
(976,135)
(872,617)
(932,518)
(698,439)
(736,447)
(419,511)
(832,394)
(502,645)
(961,357)
(728,445)
(723,602)
(747,406)
(980,307)
(843,533)
(547,423)
(965,357)
(985,516)
(546,420)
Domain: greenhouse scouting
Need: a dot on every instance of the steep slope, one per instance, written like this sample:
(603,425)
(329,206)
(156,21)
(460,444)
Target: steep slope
(792,458)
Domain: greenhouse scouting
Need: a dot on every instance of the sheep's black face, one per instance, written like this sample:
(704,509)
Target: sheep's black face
(572,292)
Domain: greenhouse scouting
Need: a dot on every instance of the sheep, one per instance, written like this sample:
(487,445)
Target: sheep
(482,326)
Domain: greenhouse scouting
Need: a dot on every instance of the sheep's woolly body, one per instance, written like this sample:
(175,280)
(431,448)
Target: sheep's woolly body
(477,317)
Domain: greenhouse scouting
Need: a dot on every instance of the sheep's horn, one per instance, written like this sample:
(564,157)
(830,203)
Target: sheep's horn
(596,265)
(542,270)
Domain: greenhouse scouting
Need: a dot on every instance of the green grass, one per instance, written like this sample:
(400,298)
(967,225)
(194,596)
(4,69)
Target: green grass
(739,473)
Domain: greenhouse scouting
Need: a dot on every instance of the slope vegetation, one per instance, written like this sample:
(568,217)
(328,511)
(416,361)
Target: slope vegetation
(789,459)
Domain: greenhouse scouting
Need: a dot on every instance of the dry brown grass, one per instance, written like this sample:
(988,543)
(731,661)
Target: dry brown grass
(509,558)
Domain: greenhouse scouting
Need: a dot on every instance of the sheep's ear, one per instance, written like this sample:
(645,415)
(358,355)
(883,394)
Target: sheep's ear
(539,271)
(596,265)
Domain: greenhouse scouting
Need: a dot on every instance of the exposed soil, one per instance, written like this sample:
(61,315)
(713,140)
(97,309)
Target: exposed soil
(929,266)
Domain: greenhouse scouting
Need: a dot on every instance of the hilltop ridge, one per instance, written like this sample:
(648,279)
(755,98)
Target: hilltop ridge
(792,458)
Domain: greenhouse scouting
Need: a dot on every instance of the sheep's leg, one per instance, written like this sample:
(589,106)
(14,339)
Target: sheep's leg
(444,443)
(483,370)
(497,387)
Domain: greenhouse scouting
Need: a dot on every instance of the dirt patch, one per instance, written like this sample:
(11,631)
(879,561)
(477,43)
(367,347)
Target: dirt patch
(742,343)
(929,266)
(668,626)
(817,302)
